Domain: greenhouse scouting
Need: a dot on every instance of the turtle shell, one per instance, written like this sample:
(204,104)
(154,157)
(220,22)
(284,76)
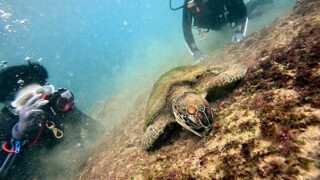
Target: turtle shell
(175,77)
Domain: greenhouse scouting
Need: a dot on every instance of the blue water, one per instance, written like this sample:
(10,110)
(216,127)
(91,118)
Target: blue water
(95,48)
(85,44)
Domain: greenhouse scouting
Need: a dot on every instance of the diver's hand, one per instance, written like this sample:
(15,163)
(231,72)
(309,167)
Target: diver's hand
(237,37)
(30,116)
(198,56)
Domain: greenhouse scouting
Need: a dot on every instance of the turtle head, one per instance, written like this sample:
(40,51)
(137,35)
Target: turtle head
(193,112)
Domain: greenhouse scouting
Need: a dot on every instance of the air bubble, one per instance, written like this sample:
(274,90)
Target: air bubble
(28,58)
(20,81)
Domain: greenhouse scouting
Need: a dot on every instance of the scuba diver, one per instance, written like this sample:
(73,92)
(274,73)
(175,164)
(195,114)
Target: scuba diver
(205,15)
(208,15)
(36,117)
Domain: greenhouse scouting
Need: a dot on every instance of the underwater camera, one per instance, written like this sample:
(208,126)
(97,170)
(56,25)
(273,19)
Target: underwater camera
(60,102)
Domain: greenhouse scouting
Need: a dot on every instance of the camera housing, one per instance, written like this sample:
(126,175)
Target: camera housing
(60,102)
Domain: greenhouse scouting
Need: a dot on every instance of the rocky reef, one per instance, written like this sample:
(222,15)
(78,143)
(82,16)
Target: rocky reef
(268,127)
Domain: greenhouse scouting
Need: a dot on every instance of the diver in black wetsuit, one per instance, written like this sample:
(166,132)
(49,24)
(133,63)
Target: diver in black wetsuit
(35,118)
(212,15)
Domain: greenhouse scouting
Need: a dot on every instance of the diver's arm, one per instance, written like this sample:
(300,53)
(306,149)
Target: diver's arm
(237,18)
(187,31)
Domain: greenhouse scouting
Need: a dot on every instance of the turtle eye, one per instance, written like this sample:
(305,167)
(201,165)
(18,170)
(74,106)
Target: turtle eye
(191,110)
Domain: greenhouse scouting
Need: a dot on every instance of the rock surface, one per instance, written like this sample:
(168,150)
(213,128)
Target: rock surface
(268,127)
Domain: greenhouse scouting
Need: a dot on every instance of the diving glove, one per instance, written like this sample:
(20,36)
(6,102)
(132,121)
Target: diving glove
(198,56)
(30,116)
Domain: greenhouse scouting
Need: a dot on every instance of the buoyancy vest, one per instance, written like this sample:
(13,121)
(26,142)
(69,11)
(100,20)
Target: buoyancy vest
(209,14)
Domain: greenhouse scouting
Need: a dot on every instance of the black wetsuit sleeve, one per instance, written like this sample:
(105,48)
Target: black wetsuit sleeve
(187,30)
(237,11)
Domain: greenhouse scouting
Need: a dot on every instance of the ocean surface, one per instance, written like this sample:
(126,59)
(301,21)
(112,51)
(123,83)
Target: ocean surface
(95,48)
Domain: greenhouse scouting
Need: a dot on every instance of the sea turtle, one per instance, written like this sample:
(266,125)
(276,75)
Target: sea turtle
(179,97)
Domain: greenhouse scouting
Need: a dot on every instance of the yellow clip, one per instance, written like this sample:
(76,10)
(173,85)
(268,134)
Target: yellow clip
(56,132)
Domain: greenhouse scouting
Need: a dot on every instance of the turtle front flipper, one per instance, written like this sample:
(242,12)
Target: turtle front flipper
(211,81)
(157,132)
